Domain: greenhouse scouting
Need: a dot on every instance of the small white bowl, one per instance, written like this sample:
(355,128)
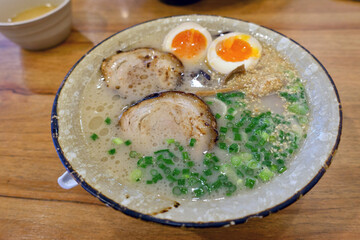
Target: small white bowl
(45,31)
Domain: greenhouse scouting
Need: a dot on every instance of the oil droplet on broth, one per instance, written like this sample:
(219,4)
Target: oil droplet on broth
(95,122)
(104,132)
(115,97)
(100,108)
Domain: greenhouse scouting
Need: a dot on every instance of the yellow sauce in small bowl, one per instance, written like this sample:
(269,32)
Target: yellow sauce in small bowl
(32,13)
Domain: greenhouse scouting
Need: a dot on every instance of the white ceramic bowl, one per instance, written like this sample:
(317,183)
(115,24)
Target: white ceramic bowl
(39,33)
(305,170)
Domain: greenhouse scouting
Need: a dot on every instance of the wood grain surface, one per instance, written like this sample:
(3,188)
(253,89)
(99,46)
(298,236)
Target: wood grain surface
(33,206)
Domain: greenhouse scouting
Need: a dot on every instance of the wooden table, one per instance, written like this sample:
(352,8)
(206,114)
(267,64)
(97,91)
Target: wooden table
(33,206)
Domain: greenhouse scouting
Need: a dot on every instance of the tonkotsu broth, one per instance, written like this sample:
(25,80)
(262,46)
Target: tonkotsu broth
(100,102)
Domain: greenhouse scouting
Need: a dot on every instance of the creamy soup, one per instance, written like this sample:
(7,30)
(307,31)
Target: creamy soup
(259,131)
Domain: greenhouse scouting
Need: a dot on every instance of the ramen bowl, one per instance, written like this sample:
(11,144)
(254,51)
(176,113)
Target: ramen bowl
(304,171)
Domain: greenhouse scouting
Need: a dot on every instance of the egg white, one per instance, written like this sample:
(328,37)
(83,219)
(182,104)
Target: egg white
(225,67)
(167,43)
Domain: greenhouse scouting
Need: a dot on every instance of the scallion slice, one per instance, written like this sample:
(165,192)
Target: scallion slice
(94,136)
(112,151)
(117,141)
(108,121)
(192,142)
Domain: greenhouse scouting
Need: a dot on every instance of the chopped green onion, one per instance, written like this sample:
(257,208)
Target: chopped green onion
(94,136)
(108,121)
(190,163)
(298,109)
(117,141)
(165,151)
(239,173)
(192,142)
(207,172)
(217,116)
(170,141)
(171,178)
(289,97)
(249,182)
(231,110)
(209,102)
(282,169)
(176,172)
(148,160)
(237,137)
(233,148)
(186,173)
(181,182)
(199,192)
(266,163)
(168,161)
(209,155)
(222,145)
(223,129)
(128,142)
(236,161)
(253,164)
(216,168)
(280,162)
(223,178)
(149,182)
(215,159)
(162,166)
(216,185)
(159,158)
(272,138)
(184,190)
(134,154)
(245,157)
(265,175)
(141,163)
(157,177)
(135,175)
(112,151)
(274,168)
(185,156)
(229,117)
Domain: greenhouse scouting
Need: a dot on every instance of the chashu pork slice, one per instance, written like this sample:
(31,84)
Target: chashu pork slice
(169,115)
(142,71)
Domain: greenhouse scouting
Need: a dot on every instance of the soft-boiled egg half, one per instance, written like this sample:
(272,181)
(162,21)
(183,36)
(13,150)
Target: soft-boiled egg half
(188,41)
(232,50)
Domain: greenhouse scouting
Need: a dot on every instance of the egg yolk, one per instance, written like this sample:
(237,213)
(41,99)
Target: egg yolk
(234,49)
(189,43)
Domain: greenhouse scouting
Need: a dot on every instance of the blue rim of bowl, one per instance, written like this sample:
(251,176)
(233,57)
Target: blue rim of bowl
(109,202)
